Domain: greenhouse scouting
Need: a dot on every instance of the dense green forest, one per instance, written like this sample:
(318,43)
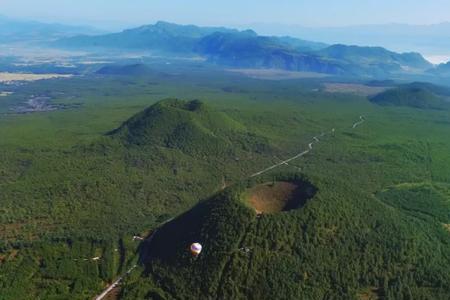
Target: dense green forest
(319,251)
(417,95)
(77,184)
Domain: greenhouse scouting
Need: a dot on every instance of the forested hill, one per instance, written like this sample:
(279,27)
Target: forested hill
(416,95)
(320,248)
(191,127)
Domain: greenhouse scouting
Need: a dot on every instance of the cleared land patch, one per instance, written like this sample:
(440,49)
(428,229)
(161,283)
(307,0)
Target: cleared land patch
(279,196)
(276,74)
(354,88)
(5,94)
(372,293)
(447,226)
(9,77)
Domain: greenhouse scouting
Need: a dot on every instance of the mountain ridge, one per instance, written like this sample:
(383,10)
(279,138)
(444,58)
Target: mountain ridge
(247,49)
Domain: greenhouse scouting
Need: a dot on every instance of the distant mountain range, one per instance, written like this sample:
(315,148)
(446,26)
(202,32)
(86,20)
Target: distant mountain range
(442,70)
(13,30)
(430,40)
(246,49)
(161,37)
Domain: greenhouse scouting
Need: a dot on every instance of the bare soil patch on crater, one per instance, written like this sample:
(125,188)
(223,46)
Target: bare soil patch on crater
(279,196)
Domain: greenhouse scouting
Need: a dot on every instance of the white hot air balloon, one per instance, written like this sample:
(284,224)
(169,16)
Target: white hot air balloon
(196,249)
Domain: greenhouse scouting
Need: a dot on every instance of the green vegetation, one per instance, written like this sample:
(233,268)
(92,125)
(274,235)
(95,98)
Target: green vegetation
(190,127)
(301,253)
(73,187)
(127,70)
(416,95)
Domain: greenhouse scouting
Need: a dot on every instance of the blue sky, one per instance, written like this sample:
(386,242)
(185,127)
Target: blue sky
(231,12)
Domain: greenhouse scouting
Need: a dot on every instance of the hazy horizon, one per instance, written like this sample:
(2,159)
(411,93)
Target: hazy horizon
(115,25)
(347,22)
(113,15)
(434,48)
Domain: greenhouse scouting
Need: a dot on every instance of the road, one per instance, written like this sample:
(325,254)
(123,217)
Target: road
(114,284)
(361,120)
(286,162)
(310,148)
(119,280)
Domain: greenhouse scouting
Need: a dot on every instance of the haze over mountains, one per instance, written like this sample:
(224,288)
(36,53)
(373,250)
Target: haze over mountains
(13,30)
(247,49)
(433,41)
(232,48)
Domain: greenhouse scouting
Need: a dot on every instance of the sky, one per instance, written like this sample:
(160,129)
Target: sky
(114,14)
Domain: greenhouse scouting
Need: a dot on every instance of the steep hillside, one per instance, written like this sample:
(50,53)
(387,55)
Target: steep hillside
(189,126)
(247,49)
(367,55)
(416,95)
(318,250)
(302,45)
(375,60)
